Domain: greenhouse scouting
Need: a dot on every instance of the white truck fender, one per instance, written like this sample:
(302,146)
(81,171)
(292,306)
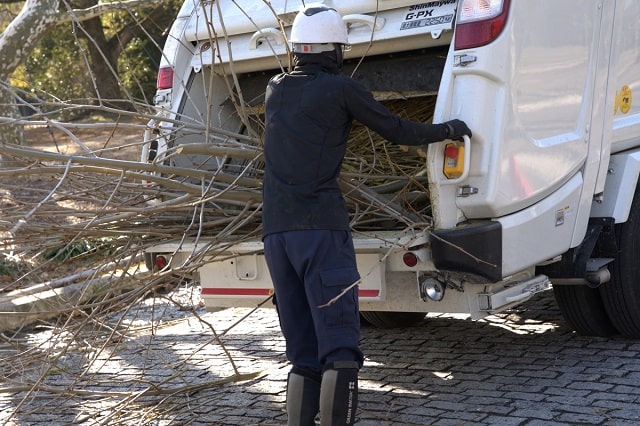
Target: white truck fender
(619,188)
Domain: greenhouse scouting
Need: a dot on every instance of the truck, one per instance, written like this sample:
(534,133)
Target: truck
(543,197)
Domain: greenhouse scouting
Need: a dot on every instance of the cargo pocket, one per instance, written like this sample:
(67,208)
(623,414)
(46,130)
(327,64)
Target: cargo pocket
(344,311)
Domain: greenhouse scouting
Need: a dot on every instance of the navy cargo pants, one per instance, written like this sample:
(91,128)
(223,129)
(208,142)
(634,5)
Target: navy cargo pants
(309,268)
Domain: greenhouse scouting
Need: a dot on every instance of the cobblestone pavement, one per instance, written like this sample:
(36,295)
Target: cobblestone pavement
(523,367)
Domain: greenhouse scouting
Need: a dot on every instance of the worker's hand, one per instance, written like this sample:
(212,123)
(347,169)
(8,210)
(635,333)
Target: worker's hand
(456,129)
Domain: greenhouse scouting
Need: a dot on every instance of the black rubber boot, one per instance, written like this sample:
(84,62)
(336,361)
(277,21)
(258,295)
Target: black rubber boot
(339,394)
(303,398)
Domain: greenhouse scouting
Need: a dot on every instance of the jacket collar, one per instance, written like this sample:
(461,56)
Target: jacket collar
(311,63)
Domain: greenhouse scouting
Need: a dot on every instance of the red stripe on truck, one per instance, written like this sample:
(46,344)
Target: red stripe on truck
(208,291)
(225,291)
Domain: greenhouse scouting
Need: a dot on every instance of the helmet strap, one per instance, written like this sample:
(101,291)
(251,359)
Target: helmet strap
(339,48)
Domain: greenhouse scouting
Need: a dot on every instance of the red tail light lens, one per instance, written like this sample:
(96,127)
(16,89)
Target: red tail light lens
(165,78)
(410,259)
(480,22)
(161,262)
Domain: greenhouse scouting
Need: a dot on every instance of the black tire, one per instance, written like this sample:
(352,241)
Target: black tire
(583,310)
(384,319)
(621,295)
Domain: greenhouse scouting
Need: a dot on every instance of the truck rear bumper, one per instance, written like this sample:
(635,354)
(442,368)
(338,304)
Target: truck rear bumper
(392,265)
(475,248)
(234,273)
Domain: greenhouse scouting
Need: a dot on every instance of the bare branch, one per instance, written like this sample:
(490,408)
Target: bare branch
(102,8)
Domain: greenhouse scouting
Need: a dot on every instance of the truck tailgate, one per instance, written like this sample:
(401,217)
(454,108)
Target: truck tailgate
(254,31)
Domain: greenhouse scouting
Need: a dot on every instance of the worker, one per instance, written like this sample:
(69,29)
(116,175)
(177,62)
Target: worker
(307,238)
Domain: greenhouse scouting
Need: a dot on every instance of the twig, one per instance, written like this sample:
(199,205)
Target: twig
(23,220)
(152,390)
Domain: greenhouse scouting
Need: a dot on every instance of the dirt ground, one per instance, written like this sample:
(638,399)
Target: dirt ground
(22,192)
(103,136)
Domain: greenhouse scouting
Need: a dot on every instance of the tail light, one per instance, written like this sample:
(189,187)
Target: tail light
(165,78)
(410,259)
(480,22)
(453,161)
(160,262)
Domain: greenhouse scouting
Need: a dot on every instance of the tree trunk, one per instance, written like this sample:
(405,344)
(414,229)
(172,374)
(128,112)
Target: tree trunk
(104,64)
(17,41)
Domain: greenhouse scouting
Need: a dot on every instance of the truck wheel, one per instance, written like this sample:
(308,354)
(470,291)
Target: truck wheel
(621,295)
(385,319)
(583,309)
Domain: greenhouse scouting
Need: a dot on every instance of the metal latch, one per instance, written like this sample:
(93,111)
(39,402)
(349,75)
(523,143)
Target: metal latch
(162,98)
(463,60)
(466,190)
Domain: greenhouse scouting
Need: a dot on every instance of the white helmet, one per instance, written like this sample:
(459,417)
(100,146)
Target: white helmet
(318,24)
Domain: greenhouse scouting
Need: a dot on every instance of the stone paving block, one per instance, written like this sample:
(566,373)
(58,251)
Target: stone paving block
(486,400)
(482,393)
(499,409)
(505,421)
(468,383)
(468,416)
(593,386)
(533,413)
(546,423)
(581,418)
(630,412)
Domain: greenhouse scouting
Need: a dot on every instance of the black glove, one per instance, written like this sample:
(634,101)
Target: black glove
(456,129)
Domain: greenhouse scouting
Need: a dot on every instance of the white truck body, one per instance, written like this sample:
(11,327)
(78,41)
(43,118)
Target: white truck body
(550,172)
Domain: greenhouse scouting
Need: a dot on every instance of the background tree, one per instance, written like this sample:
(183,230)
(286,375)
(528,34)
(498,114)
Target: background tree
(109,39)
(37,18)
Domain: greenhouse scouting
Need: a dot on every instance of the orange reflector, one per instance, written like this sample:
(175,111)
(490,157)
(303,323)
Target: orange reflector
(453,166)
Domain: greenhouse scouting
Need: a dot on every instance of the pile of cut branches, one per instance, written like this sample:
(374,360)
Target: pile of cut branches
(79,209)
(61,191)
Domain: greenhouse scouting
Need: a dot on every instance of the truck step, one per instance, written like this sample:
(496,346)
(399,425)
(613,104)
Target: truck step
(494,302)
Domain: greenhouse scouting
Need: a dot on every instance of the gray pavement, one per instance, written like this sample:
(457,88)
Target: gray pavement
(523,367)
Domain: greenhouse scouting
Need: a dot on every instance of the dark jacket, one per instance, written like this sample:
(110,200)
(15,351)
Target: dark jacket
(308,116)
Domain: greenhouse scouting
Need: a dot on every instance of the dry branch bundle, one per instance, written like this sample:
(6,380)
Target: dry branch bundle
(98,196)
